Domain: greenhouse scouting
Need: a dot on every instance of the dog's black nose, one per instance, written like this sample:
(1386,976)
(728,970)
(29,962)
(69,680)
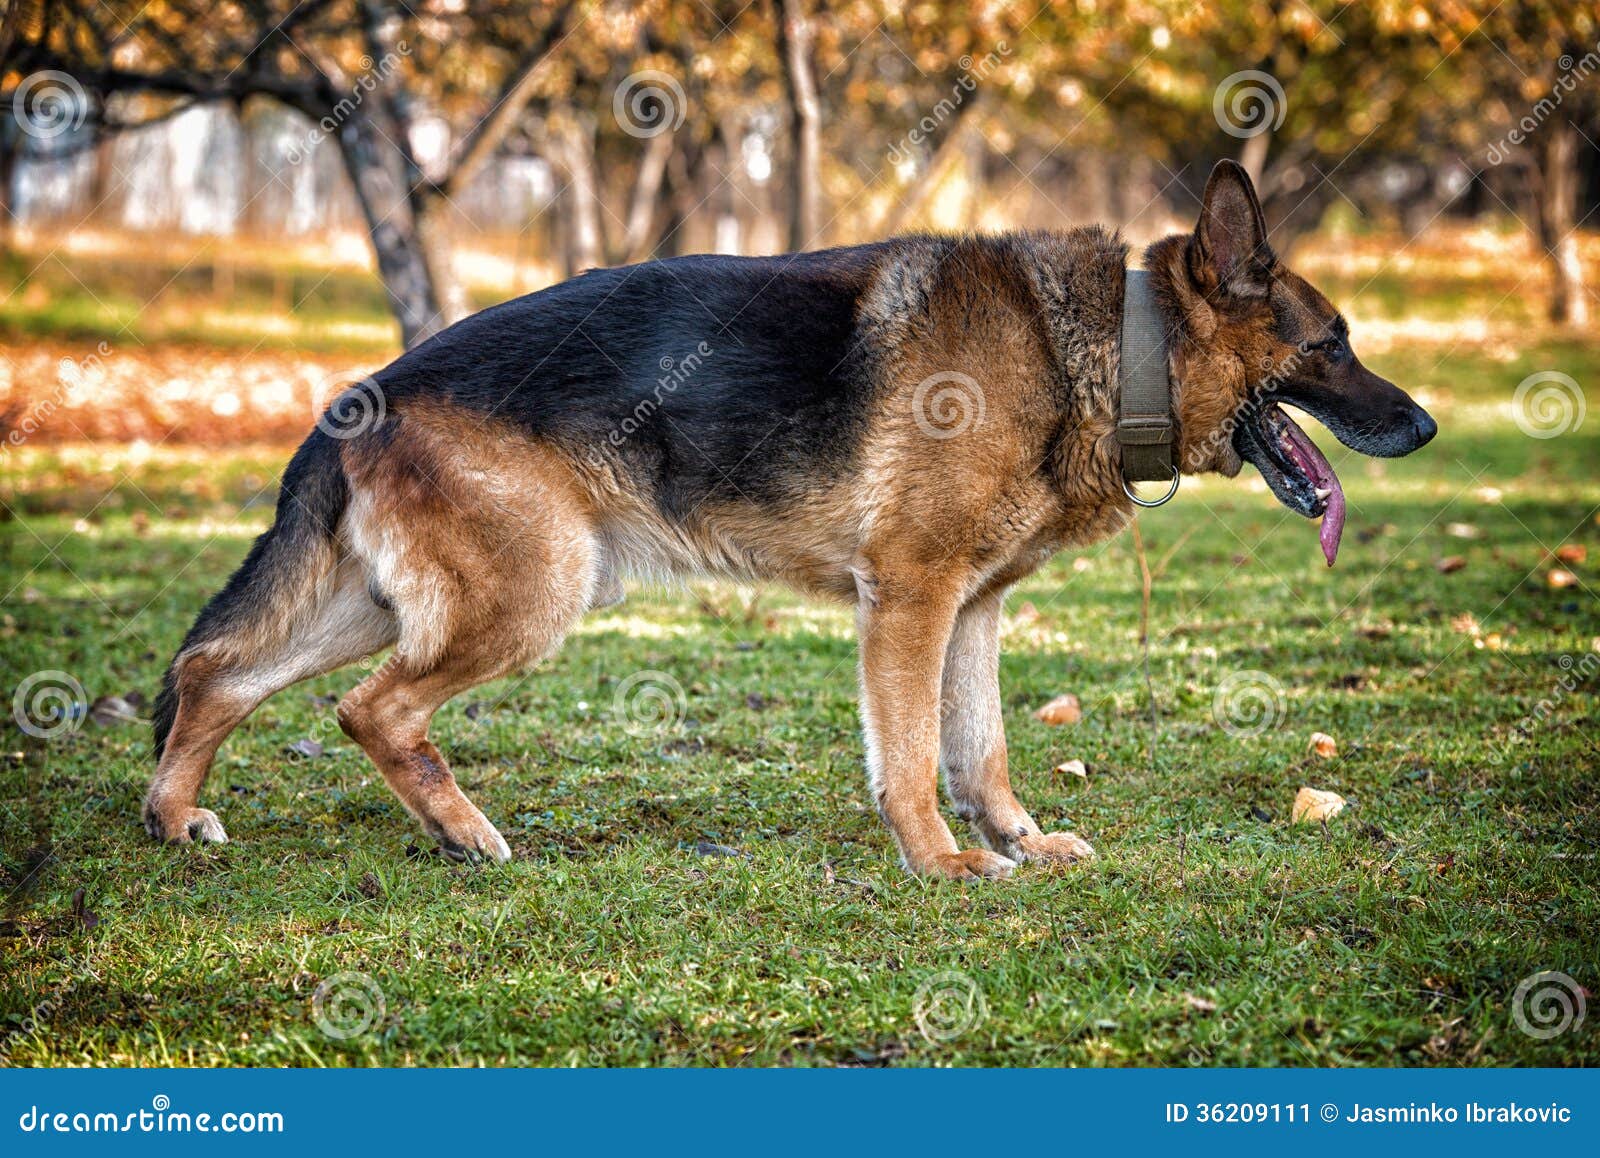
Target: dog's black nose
(1425,426)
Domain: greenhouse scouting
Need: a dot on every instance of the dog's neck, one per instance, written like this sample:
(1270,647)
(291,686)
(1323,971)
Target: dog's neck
(1146,423)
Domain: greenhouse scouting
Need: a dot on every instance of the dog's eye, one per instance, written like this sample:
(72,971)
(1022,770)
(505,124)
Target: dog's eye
(1334,347)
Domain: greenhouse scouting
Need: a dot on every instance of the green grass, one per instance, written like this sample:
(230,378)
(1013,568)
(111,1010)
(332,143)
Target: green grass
(1398,933)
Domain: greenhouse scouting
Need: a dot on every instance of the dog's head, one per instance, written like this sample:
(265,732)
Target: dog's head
(1254,335)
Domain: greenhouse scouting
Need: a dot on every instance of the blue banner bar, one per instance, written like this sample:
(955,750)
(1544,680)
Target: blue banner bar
(802,1111)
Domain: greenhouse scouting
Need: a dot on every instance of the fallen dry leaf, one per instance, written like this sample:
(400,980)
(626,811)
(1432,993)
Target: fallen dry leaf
(1466,624)
(1324,745)
(1199,1004)
(1560,577)
(1312,806)
(1064,709)
(1573,553)
(1461,530)
(1073,768)
(1450,564)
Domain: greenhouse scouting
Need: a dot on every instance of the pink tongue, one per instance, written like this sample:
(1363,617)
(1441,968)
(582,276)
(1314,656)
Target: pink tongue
(1310,459)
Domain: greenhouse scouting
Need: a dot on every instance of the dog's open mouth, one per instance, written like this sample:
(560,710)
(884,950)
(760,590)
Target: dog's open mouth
(1294,468)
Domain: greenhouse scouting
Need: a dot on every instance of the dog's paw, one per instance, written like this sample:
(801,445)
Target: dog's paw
(185,826)
(971,864)
(471,838)
(1055,848)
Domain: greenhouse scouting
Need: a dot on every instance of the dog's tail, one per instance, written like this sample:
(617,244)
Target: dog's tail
(279,576)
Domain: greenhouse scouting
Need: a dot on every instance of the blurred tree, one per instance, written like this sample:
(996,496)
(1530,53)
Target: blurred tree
(346,65)
(1526,80)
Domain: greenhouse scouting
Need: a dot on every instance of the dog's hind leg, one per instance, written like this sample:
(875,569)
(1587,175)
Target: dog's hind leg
(485,550)
(973,744)
(220,680)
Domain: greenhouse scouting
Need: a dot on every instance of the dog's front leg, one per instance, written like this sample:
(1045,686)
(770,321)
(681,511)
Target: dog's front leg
(973,743)
(903,629)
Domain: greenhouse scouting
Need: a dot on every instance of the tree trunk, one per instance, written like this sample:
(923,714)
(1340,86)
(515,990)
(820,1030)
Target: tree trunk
(377,171)
(805,126)
(638,240)
(574,140)
(1558,201)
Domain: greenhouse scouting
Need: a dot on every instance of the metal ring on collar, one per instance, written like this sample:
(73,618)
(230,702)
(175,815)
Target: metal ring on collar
(1162,501)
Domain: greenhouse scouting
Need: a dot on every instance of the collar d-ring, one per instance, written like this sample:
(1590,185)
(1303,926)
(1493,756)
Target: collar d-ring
(1161,502)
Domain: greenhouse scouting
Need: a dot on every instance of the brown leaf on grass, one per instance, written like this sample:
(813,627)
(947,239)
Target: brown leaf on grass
(1461,530)
(1573,553)
(1559,578)
(1375,630)
(1073,768)
(108,711)
(81,913)
(1027,613)
(1465,624)
(1324,745)
(1313,806)
(1064,709)
(1199,1004)
(1450,564)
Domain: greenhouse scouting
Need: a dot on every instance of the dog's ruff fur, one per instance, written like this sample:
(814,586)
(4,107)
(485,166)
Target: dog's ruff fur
(911,427)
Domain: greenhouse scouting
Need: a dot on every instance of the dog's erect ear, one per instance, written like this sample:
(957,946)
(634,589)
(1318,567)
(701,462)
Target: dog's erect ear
(1231,248)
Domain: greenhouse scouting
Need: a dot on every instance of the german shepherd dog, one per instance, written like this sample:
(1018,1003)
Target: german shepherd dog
(910,427)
